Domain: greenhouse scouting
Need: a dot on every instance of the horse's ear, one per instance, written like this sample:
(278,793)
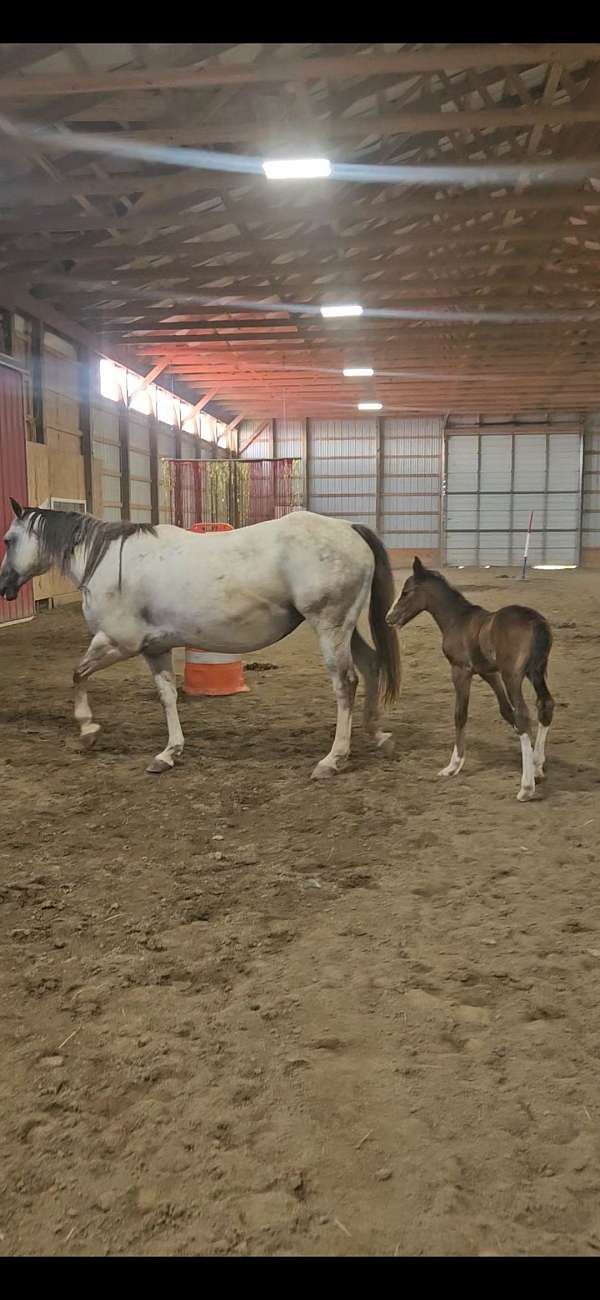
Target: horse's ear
(418,568)
(17,509)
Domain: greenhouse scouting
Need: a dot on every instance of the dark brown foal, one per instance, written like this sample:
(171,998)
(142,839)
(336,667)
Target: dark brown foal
(503,647)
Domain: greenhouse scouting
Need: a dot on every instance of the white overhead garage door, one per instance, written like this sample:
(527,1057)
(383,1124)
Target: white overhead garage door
(493,481)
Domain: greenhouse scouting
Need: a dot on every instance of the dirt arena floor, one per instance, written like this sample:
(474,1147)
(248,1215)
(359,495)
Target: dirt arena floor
(246,1014)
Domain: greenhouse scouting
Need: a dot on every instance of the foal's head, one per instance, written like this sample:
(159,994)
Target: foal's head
(24,558)
(413,598)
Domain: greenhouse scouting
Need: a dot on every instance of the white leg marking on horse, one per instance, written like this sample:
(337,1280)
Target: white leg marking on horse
(539,753)
(527,790)
(161,667)
(455,765)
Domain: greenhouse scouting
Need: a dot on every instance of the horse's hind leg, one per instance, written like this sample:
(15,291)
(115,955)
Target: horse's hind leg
(335,648)
(100,653)
(514,689)
(545,712)
(506,709)
(365,659)
(161,667)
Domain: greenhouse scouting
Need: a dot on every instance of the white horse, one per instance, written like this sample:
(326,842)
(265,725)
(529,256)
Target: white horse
(148,589)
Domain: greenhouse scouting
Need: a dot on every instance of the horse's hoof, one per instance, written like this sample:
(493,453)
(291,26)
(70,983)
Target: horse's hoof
(526,792)
(387,746)
(539,773)
(159,765)
(89,738)
(323,772)
(452,771)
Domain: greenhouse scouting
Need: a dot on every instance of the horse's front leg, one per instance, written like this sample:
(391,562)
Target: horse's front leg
(100,653)
(340,665)
(462,678)
(161,667)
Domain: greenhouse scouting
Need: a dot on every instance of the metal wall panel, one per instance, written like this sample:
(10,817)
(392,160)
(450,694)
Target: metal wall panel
(262,447)
(289,438)
(495,480)
(106,447)
(342,469)
(13,476)
(140,499)
(410,483)
(590,537)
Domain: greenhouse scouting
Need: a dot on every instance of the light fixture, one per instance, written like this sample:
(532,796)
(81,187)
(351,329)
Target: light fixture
(358,372)
(344,309)
(370,406)
(296,169)
(552,567)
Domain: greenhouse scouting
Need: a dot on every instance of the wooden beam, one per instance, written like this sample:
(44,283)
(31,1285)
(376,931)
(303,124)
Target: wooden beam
(149,378)
(84,369)
(255,435)
(208,397)
(454,58)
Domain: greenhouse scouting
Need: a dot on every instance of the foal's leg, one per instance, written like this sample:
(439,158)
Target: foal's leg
(506,709)
(161,667)
(100,653)
(462,678)
(365,659)
(514,689)
(545,712)
(335,648)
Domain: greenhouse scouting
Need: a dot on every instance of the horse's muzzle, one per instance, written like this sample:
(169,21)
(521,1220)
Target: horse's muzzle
(9,588)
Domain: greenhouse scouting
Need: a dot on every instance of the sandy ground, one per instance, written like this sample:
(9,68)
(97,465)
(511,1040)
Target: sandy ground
(243,1013)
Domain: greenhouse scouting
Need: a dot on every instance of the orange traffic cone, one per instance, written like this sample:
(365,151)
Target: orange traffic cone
(208,673)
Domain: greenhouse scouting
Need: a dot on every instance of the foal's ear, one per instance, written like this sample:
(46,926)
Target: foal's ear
(418,568)
(17,509)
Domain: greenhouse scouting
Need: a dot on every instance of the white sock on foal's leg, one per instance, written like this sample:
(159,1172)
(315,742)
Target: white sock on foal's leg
(455,765)
(539,753)
(527,790)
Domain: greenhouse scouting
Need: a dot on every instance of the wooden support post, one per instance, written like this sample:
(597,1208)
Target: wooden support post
(154,471)
(37,389)
(378,475)
(84,376)
(305,454)
(124,448)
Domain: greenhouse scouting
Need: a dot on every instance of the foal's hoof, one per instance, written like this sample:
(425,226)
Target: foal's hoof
(88,738)
(159,765)
(526,792)
(387,745)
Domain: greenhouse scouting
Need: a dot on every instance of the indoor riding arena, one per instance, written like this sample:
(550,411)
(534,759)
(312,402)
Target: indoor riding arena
(243,1012)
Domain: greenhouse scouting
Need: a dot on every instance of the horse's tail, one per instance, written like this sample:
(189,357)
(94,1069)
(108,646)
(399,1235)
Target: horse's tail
(385,639)
(541,645)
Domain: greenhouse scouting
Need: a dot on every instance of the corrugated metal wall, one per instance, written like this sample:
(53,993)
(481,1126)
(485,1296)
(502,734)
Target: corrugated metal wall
(590,533)
(262,447)
(140,500)
(13,476)
(106,446)
(342,469)
(411,479)
(495,480)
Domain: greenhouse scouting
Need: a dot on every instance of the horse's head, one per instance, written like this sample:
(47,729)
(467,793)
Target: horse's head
(412,599)
(23,559)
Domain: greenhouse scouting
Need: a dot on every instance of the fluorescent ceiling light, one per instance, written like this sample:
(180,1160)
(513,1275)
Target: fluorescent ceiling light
(357,372)
(370,406)
(345,309)
(555,566)
(295,169)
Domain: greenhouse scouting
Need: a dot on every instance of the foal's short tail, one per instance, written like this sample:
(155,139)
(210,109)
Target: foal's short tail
(384,637)
(541,646)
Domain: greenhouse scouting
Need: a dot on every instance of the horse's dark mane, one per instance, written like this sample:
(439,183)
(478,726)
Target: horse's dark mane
(60,532)
(447,586)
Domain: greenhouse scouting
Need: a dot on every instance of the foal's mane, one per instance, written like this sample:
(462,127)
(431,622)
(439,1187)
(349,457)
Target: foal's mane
(60,532)
(446,586)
